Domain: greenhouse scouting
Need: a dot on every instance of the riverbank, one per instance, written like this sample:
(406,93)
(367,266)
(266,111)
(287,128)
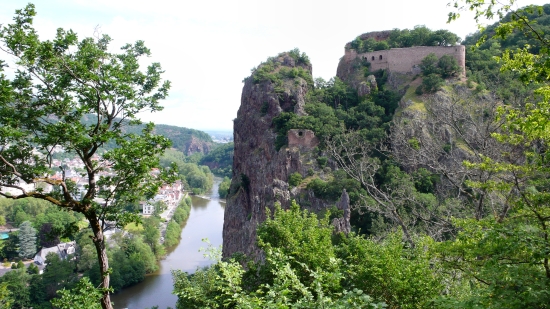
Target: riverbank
(167,215)
(205,221)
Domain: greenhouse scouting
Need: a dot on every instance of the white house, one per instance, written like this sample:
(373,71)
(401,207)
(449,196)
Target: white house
(62,250)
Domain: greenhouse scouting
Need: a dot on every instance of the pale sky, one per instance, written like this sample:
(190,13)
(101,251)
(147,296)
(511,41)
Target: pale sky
(208,47)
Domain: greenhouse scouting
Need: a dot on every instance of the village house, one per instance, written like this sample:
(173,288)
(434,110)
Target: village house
(63,250)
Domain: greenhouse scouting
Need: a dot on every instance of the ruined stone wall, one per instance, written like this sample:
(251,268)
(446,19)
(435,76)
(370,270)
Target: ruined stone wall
(407,60)
(302,138)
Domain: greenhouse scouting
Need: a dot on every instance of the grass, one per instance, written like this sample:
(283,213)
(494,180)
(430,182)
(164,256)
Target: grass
(133,228)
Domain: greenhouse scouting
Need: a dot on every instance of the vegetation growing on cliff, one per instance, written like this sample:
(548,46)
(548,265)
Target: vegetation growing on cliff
(418,36)
(271,70)
(305,266)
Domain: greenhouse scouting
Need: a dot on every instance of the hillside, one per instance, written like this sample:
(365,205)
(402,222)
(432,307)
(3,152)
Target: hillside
(188,141)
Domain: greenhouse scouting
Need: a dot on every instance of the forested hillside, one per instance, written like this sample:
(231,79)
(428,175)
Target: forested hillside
(188,141)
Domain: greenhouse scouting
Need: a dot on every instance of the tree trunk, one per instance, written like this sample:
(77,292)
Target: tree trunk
(99,243)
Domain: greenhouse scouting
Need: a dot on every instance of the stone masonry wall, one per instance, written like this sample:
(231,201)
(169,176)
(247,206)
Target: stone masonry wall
(302,138)
(407,60)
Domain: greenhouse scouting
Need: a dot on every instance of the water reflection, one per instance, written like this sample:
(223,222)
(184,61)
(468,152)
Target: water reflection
(205,221)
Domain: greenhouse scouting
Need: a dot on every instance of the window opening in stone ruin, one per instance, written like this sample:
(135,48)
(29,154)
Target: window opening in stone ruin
(372,57)
(380,57)
(300,133)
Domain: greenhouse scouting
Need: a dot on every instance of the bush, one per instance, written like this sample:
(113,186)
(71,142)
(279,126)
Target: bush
(294,179)
(448,66)
(432,83)
(322,161)
(429,65)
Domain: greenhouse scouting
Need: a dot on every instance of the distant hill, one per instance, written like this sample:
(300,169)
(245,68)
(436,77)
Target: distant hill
(188,141)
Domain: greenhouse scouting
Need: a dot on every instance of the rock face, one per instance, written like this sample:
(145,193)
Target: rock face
(343,224)
(260,171)
(195,145)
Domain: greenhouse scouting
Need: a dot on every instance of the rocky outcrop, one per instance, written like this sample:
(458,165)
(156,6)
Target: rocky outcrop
(260,171)
(195,145)
(342,225)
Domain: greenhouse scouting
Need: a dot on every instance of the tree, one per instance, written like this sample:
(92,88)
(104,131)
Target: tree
(78,95)
(84,296)
(448,66)
(48,237)
(27,240)
(6,300)
(223,189)
(429,64)
(432,83)
(17,281)
(58,273)
(505,253)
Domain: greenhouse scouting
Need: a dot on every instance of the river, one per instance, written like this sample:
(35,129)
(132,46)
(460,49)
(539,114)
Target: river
(205,221)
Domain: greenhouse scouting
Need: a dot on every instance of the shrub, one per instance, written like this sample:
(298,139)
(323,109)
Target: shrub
(322,161)
(448,66)
(432,83)
(295,179)
(429,65)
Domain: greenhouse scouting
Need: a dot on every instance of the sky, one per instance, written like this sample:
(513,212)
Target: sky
(207,47)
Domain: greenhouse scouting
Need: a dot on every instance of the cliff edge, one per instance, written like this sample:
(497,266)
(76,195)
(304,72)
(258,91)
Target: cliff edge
(260,171)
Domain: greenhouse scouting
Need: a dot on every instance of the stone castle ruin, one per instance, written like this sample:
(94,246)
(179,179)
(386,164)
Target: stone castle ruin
(302,138)
(403,60)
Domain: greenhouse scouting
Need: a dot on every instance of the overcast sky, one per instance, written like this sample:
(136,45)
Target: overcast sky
(208,47)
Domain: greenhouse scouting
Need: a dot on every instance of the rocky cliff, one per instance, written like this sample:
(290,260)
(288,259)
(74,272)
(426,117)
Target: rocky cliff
(260,171)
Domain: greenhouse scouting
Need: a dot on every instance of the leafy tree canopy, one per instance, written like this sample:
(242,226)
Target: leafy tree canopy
(58,82)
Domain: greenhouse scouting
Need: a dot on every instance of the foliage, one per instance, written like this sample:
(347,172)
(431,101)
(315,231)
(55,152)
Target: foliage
(182,211)
(16,282)
(33,269)
(418,36)
(130,259)
(220,160)
(292,276)
(504,254)
(151,235)
(27,240)
(403,278)
(173,232)
(6,300)
(295,179)
(448,66)
(57,83)
(432,83)
(58,273)
(47,236)
(428,65)
(272,71)
(223,189)
(84,295)
(9,246)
